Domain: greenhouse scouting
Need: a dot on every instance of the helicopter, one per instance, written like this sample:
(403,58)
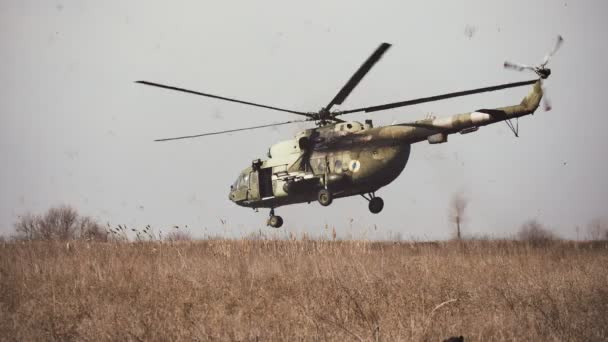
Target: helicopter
(339,158)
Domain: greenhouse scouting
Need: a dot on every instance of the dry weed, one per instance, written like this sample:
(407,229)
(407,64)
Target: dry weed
(308,290)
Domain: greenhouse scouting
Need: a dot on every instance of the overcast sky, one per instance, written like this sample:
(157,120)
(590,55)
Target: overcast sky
(76,130)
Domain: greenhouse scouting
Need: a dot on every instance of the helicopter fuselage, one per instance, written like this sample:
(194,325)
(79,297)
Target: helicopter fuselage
(347,158)
(350,158)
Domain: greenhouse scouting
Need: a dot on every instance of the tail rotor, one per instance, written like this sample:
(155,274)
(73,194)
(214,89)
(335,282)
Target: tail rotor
(558,44)
(541,70)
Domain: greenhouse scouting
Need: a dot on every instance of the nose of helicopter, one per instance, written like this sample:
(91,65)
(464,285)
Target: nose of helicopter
(231,193)
(234,196)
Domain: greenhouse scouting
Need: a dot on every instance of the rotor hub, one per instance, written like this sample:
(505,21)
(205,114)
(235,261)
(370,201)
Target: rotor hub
(543,72)
(324,117)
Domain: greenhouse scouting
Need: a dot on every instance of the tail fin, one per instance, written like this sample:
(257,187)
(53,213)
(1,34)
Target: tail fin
(527,106)
(532,101)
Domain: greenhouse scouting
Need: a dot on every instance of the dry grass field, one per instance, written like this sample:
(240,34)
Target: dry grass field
(246,290)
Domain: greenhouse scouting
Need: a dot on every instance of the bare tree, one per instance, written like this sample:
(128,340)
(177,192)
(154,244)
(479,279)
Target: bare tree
(597,229)
(89,229)
(26,227)
(534,232)
(58,223)
(178,235)
(457,209)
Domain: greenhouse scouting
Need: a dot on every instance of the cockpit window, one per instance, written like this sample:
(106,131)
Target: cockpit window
(241,181)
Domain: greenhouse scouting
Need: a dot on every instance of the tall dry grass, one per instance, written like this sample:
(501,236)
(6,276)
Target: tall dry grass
(303,290)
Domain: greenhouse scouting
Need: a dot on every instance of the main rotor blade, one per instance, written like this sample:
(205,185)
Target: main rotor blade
(232,130)
(436,98)
(358,76)
(556,47)
(518,67)
(221,97)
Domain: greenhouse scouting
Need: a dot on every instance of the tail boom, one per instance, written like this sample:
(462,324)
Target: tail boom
(436,130)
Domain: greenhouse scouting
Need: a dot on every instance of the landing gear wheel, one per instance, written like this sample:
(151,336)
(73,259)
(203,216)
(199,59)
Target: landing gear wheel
(375,205)
(325,197)
(275,221)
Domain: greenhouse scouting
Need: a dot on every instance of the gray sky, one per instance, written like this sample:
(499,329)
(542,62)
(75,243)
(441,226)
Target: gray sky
(76,130)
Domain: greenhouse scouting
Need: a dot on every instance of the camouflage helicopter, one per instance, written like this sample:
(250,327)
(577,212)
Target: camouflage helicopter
(340,158)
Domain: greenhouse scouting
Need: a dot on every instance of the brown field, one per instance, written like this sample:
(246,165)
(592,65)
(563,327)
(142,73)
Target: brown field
(304,290)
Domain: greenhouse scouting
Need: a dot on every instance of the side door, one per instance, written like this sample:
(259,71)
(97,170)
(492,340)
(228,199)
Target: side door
(265,182)
(254,186)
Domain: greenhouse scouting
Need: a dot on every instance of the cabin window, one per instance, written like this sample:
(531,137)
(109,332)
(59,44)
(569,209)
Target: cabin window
(337,165)
(349,126)
(321,165)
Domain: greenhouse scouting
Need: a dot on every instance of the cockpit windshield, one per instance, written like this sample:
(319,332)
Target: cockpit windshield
(241,181)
